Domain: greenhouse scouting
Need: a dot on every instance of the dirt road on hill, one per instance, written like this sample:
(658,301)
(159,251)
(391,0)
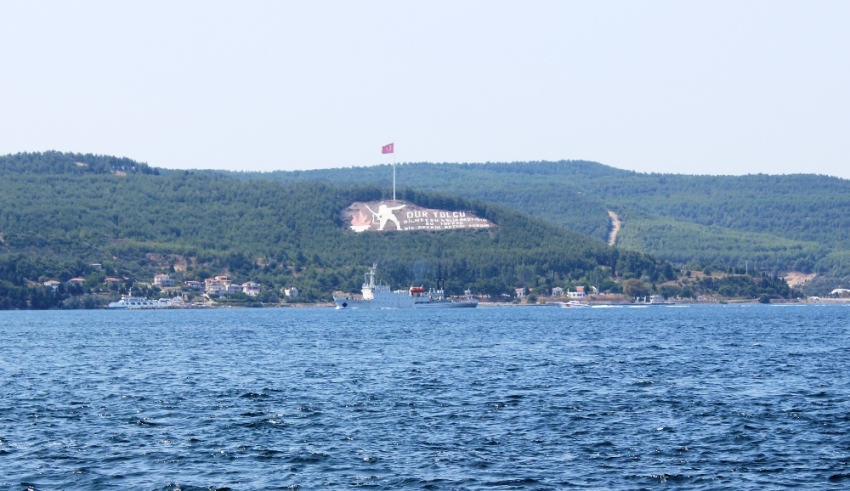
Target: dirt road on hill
(615,223)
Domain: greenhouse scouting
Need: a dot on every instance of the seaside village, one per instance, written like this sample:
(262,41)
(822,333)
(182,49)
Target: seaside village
(220,290)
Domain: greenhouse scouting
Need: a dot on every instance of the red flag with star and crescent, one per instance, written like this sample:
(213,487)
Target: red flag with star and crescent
(389,148)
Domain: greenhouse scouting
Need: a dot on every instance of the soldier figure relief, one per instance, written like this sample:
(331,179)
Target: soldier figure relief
(416,218)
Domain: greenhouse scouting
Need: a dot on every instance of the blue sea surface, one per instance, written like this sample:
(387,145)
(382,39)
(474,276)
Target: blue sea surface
(707,397)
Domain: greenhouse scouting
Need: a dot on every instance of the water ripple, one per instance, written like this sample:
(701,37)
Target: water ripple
(524,398)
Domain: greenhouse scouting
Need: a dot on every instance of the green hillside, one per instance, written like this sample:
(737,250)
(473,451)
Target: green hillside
(782,223)
(681,242)
(59,213)
(545,195)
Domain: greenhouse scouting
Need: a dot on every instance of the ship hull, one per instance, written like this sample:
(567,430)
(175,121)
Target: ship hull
(377,296)
(448,305)
(402,302)
(140,303)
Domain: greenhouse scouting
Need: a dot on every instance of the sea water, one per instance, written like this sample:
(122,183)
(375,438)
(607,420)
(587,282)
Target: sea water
(711,397)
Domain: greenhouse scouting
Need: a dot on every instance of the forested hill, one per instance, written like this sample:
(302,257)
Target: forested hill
(779,223)
(541,189)
(61,212)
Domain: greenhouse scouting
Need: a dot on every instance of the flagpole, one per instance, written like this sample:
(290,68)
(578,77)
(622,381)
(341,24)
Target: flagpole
(390,148)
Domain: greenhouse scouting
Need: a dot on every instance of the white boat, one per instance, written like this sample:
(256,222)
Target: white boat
(659,300)
(375,296)
(132,303)
(573,304)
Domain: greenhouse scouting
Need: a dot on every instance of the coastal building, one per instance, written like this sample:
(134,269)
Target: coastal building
(76,281)
(579,293)
(291,292)
(557,291)
(250,288)
(163,280)
(840,292)
(52,284)
(110,280)
(217,285)
(216,289)
(520,292)
(195,285)
(233,288)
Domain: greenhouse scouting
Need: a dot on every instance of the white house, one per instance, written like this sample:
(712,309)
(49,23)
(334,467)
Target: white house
(557,291)
(217,285)
(52,284)
(163,280)
(291,292)
(520,292)
(579,293)
(195,285)
(250,288)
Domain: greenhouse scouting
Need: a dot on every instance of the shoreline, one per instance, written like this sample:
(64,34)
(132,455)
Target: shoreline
(487,305)
(553,304)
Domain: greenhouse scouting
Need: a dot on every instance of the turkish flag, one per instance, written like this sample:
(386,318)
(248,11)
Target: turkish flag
(388,148)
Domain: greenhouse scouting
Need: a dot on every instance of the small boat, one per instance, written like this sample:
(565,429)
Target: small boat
(573,304)
(659,300)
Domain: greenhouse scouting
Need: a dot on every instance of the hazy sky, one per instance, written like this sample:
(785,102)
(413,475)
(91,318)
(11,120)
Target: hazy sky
(693,87)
